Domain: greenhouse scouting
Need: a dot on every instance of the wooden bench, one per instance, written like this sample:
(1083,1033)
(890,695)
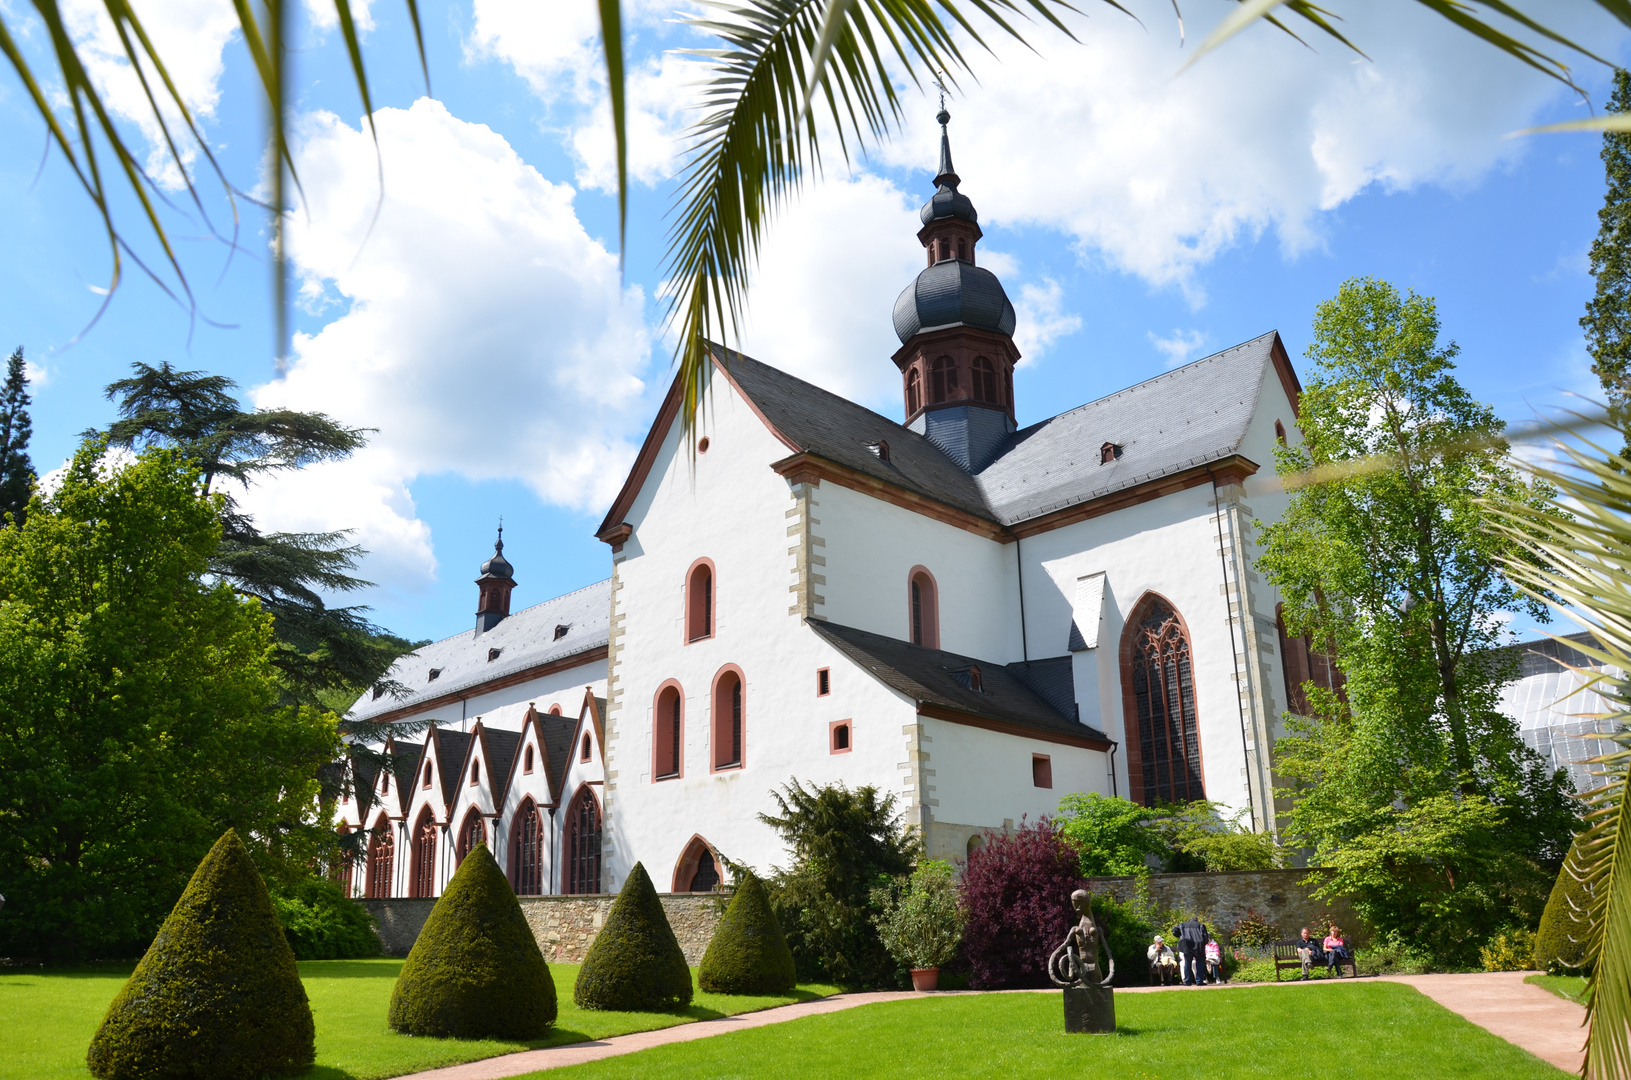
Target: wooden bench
(1285,957)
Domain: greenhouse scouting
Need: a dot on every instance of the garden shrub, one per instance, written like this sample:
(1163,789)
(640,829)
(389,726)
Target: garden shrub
(322,923)
(475,971)
(635,964)
(845,843)
(748,953)
(1253,931)
(1128,929)
(920,920)
(1510,950)
(1016,896)
(1560,943)
(217,995)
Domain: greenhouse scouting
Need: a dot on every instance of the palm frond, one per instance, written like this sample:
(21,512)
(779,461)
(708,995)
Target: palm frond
(1581,565)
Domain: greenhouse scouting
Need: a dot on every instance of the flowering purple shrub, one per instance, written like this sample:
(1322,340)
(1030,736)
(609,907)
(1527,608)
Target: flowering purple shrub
(1016,896)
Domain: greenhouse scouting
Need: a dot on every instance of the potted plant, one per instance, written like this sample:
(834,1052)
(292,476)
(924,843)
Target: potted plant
(920,921)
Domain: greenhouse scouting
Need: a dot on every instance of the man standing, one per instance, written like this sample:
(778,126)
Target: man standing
(1192,939)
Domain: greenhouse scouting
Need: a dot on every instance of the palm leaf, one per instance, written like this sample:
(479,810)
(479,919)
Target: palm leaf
(1580,563)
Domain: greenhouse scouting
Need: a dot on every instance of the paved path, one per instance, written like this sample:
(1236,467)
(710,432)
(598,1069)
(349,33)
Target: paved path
(1500,1002)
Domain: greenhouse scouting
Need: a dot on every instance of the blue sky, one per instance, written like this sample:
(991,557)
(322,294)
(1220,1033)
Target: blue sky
(1139,219)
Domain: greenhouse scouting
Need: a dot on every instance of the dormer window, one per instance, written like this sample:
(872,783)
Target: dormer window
(974,681)
(1109,452)
(435,673)
(880,450)
(379,692)
(493,654)
(560,631)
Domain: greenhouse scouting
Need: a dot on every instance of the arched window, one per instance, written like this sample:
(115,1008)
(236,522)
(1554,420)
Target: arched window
(527,851)
(727,718)
(985,381)
(554,710)
(925,609)
(962,247)
(583,843)
(426,781)
(699,601)
(697,870)
(914,391)
(475,772)
(942,380)
(471,833)
(1280,432)
(423,881)
(587,746)
(975,843)
(526,760)
(838,737)
(1158,693)
(345,867)
(381,860)
(667,733)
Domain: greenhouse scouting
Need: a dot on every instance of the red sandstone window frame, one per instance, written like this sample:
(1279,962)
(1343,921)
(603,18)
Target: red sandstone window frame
(668,730)
(422,849)
(914,391)
(728,720)
(523,873)
(823,682)
(588,749)
(943,380)
(690,861)
(1042,771)
(467,837)
(475,771)
(1132,736)
(1280,432)
(381,860)
(555,710)
(922,608)
(425,783)
(701,605)
(984,379)
(847,727)
(584,860)
(526,759)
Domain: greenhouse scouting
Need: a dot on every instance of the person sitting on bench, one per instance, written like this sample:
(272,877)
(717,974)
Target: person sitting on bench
(1309,950)
(1336,952)
(1163,962)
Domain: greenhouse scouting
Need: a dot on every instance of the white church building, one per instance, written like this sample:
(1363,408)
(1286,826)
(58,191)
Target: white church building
(973,617)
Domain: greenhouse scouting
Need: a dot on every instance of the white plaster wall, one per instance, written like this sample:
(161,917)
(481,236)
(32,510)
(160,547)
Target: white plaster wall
(505,707)
(983,778)
(871,547)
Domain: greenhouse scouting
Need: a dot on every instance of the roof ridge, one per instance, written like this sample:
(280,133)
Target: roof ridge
(523,611)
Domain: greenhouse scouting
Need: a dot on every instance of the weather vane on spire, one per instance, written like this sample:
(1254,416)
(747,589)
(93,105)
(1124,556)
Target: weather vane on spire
(943,116)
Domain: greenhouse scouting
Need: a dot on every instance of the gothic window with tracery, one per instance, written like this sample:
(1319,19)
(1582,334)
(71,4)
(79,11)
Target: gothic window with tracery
(474,832)
(583,844)
(527,852)
(381,860)
(424,856)
(1162,703)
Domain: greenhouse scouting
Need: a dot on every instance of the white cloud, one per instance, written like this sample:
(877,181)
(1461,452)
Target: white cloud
(1157,173)
(1180,347)
(484,332)
(38,375)
(324,17)
(820,303)
(1041,319)
(189,35)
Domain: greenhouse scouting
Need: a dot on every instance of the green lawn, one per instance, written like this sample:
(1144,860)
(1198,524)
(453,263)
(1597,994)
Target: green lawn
(1572,987)
(47,1020)
(1384,1031)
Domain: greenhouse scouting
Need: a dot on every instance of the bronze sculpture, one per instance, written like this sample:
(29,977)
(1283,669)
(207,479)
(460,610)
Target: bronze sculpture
(1074,966)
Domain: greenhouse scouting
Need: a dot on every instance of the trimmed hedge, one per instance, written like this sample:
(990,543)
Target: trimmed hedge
(1560,941)
(216,996)
(748,953)
(475,971)
(635,964)
(322,923)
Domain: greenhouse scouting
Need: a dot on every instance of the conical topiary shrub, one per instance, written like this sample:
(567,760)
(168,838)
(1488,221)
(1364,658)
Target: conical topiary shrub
(475,971)
(1560,941)
(217,995)
(748,953)
(635,964)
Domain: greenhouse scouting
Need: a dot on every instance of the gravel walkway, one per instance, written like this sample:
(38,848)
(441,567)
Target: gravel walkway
(1500,1002)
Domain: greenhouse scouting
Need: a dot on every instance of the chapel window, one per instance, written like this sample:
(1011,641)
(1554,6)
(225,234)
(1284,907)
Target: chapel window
(426,782)
(583,834)
(925,610)
(942,380)
(584,756)
(475,773)
(699,602)
(423,880)
(727,721)
(381,860)
(473,833)
(985,380)
(527,851)
(1158,667)
(526,760)
(666,735)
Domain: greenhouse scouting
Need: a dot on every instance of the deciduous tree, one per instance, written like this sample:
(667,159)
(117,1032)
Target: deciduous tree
(1607,321)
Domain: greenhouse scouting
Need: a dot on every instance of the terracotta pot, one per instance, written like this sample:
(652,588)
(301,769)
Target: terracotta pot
(925,979)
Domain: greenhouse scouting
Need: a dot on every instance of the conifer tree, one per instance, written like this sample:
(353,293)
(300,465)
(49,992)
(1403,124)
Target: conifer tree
(16,471)
(1607,321)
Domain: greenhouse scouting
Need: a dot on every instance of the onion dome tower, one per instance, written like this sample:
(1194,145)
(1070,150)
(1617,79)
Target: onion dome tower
(496,580)
(956,327)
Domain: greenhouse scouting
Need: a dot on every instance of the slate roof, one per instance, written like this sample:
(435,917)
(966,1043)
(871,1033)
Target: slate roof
(525,639)
(1180,419)
(936,677)
(450,749)
(555,732)
(501,747)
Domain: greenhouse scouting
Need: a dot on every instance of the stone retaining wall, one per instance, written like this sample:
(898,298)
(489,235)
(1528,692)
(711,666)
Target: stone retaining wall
(565,926)
(1278,896)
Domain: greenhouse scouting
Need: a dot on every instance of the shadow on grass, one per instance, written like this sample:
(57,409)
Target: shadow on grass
(381,967)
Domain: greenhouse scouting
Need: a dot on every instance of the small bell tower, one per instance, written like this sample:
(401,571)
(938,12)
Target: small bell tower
(956,327)
(496,581)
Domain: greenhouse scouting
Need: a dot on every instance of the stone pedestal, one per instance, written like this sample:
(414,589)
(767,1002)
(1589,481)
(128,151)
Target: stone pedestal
(1090,1010)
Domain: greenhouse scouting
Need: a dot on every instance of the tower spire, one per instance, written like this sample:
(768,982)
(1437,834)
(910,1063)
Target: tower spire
(946,177)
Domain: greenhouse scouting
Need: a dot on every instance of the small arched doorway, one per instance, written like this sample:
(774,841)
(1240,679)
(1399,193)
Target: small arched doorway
(527,851)
(471,833)
(583,843)
(381,860)
(1158,697)
(698,868)
(423,881)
